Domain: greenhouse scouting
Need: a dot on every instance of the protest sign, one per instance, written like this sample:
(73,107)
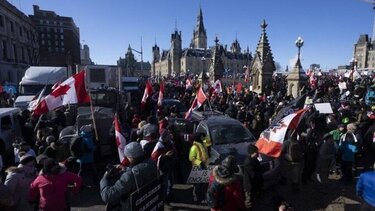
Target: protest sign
(198,175)
(148,197)
(323,108)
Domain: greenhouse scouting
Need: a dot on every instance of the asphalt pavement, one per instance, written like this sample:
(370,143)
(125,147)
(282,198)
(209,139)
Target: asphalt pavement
(336,196)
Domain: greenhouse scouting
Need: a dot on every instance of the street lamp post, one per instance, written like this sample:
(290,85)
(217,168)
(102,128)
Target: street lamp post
(299,44)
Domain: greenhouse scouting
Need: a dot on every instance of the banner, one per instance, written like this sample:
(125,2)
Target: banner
(148,197)
(198,175)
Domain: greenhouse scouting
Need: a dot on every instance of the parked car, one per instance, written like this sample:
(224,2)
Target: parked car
(228,136)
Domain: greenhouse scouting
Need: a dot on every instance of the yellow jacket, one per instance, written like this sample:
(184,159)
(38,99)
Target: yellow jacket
(198,154)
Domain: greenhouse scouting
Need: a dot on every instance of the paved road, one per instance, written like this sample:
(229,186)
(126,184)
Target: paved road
(336,197)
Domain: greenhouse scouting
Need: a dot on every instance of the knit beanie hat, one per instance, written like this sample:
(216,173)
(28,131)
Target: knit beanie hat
(133,150)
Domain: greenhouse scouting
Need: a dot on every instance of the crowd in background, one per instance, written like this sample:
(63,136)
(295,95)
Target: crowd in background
(323,144)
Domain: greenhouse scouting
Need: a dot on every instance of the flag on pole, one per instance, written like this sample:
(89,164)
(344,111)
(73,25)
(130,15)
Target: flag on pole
(146,94)
(36,99)
(271,140)
(217,86)
(120,140)
(71,91)
(161,94)
(198,102)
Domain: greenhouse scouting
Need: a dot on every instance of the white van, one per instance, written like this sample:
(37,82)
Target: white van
(9,126)
(35,79)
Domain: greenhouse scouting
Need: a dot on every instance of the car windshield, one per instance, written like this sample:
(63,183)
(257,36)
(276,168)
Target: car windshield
(230,134)
(180,107)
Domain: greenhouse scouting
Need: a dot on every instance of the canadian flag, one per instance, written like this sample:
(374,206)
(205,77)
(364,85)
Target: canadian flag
(36,100)
(71,91)
(161,94)
(198,102)
(271,140)
(120,140)
(146,94)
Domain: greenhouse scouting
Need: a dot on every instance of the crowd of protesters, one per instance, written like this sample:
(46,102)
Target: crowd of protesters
(323,144)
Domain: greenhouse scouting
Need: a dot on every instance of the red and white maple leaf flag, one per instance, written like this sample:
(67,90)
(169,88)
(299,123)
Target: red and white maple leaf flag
(146,94)
(271,140)
(198,102)
(161,94)
(120,140)
(71,91)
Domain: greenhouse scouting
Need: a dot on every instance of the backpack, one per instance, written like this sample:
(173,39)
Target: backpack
(294,152)
(215,195)
(76,147)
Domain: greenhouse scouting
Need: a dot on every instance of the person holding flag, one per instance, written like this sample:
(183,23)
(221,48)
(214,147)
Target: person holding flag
(200,98)
(147,93)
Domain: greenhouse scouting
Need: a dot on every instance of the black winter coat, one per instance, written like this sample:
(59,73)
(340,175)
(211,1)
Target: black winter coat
(252,175)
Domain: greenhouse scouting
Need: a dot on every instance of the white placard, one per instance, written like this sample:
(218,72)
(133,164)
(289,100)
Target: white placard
(323,108)
(198,175)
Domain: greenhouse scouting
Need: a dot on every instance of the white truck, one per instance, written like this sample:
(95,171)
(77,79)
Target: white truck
(35,79)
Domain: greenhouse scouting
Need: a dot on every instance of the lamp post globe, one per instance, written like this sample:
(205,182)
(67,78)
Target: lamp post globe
(299,44)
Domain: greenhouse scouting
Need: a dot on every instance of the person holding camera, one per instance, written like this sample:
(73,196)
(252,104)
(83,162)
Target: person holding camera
(199,158)
(116,185)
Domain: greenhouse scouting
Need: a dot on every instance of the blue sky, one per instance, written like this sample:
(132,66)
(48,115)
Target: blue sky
(328,27)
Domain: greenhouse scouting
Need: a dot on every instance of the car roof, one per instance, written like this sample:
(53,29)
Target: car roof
(171,100)
(213,118)
(221,120)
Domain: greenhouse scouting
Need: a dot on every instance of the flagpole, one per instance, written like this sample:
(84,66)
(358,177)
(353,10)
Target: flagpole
(92,113)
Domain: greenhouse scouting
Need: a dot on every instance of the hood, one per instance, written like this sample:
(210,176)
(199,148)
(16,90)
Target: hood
(24,99)
(43,75)
(238,150)
(222,180)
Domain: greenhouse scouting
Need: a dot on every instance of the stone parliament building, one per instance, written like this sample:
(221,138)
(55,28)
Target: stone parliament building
(198,58)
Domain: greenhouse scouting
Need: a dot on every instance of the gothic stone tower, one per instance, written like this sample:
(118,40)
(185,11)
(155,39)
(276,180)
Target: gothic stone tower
(175,53)
(199,34)
(263,65)
(155,58)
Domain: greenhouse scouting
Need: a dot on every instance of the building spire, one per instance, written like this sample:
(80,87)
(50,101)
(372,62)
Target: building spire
(199,34)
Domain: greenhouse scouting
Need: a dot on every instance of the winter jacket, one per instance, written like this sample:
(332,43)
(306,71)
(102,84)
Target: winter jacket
(18,180)
(88,148)
(234,199)
(52,190)
(366,187)
(347,150)
(252,175)
(118,192)
(327,151)
(198,154)
(5,196)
